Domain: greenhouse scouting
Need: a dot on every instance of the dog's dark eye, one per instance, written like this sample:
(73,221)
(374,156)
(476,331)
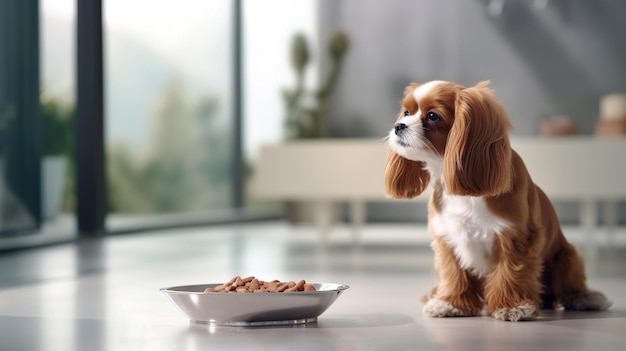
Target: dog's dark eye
(433,117)
(407,113)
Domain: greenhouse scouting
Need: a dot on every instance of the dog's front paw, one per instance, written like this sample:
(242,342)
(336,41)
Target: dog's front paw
(438,308)
(519,313)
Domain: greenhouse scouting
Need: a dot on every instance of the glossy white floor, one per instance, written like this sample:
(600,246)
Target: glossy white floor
(104,294)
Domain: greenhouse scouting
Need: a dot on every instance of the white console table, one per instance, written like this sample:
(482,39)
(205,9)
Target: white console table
(584,169)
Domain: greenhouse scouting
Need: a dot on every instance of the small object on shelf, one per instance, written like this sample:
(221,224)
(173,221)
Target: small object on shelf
(612,120)
(558,125)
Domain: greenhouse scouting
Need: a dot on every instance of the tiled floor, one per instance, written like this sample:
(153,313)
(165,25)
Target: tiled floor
(104,294)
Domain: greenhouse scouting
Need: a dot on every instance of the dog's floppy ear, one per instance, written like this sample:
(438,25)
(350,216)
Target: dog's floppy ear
(477,160)
(404,179)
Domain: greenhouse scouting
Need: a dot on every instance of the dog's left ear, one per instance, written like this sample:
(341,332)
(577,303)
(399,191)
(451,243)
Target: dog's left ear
(477,160)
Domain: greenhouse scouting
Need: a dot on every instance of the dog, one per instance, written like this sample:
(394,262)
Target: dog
(496,237)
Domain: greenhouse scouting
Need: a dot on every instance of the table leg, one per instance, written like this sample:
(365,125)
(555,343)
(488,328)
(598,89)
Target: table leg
(610,221)
(588,221)
(357,216)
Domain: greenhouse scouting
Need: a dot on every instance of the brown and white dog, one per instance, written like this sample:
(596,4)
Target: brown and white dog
(496,236)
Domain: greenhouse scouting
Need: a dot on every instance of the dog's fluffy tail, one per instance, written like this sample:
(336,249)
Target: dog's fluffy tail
(588,301)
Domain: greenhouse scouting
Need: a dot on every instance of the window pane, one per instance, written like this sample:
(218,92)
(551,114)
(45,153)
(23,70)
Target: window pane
(168,69)
(58,100)
(20,211)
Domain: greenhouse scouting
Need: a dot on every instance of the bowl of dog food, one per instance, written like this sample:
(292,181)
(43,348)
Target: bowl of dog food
(253,302)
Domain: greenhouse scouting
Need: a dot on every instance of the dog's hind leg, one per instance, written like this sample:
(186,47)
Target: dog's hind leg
(564,277)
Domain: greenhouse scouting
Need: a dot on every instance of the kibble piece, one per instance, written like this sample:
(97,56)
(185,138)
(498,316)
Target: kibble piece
(300,285)
(282,287)
(230,282)
(273,286)
(254,284)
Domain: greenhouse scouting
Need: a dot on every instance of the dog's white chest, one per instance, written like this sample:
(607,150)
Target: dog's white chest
(468,227)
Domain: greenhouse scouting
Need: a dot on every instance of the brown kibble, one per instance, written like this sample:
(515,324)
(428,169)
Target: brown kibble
(300,285)
(251,284)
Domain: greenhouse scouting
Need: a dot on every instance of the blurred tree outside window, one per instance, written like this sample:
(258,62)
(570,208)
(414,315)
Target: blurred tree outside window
(187,165)
(168,115)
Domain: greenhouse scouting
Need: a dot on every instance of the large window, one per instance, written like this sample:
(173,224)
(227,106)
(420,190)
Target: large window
(168,97)
(177,77)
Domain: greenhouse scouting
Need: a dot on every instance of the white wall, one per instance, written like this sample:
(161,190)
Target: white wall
(542,62)
(557,60)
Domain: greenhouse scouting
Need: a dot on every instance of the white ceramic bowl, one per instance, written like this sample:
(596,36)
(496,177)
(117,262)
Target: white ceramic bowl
(252,309)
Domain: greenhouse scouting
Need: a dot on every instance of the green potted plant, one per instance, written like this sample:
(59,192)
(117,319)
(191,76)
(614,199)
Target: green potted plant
(306,121)
(307,115)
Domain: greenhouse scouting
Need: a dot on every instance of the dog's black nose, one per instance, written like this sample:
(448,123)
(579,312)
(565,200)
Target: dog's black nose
(399,127)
